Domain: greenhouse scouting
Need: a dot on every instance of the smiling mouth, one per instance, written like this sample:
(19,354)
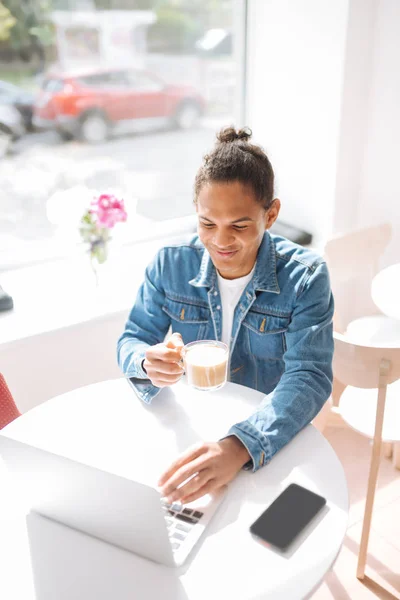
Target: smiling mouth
(225,254)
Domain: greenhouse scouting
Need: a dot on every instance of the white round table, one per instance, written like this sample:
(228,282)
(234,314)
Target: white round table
(107,426)
(385,291)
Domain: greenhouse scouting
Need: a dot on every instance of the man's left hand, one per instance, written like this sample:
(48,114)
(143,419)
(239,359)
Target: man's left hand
(210,465)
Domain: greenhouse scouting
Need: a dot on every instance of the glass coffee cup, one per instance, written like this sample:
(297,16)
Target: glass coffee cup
(206,364)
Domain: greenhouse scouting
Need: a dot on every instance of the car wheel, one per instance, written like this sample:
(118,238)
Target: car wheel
(94,128)
(6,139)
(188,115)
(65,135)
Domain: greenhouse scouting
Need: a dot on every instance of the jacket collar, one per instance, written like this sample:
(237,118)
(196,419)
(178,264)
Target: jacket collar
(264,278)
(207,274)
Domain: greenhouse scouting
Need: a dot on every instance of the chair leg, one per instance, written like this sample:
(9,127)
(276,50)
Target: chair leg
(337,390)
(369,504)
(320,422)
(373,470)
(387,450)
(396,455)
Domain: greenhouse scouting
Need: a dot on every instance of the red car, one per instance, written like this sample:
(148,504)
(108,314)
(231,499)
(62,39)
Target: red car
(92,104)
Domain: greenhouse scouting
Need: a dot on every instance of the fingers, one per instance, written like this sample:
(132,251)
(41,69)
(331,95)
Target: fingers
(175,341)
(163,368)
(163,364)
(161,373)
(197,482)
(163,352)
(190,455)
(161,379)
(161,383)
(207,488)
(187,479)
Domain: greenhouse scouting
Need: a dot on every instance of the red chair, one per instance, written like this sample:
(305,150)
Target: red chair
(8,409)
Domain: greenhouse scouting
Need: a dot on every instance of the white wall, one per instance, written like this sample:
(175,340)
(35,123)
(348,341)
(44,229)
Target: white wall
(324,100)
(43,366)
(353,129)
(380,174)
(56,342)
(296,53)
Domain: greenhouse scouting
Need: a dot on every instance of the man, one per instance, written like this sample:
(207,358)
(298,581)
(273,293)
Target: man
(267,298)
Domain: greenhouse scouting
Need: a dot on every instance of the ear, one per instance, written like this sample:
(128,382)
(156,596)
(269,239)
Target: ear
(272,213)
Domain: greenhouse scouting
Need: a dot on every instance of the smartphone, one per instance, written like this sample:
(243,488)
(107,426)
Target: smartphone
(287,516)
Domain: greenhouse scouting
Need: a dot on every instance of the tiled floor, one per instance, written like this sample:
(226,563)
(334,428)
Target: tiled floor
(383,565)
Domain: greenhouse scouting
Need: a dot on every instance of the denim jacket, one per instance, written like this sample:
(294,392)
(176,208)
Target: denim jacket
(281,344)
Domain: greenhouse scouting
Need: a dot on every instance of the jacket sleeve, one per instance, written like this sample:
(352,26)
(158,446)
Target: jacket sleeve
(306,383)
(146,326)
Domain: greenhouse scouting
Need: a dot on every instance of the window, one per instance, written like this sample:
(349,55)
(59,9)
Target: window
(52,85)
(84,131)
(105,80)
(143,81)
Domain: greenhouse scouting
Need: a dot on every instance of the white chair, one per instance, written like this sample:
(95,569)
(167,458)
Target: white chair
(353,261)
(321,420)
(370,404)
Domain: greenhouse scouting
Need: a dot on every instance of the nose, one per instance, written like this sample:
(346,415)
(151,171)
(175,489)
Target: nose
(223,238)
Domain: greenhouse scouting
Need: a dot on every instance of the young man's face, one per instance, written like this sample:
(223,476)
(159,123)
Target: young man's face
(231,225)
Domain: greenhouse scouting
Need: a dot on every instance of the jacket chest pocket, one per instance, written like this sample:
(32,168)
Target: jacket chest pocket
(266,334)
(190,320)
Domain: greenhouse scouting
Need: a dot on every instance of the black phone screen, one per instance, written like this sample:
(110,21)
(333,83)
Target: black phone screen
(288,514)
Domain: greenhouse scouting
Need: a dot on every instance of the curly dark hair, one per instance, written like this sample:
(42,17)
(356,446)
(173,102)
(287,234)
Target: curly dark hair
(234,158)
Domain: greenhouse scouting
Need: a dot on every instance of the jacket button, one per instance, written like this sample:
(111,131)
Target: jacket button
(215,293)
(218,307)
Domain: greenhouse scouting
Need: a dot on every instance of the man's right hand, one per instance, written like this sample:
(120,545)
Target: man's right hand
(163,362)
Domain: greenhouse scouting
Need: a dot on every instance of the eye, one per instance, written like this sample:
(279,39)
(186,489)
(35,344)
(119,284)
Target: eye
(240,227)
(207,225)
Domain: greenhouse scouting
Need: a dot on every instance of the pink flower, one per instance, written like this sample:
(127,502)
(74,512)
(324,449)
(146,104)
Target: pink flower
(109,210)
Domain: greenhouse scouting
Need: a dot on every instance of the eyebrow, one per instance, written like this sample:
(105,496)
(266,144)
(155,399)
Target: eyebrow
(237,220)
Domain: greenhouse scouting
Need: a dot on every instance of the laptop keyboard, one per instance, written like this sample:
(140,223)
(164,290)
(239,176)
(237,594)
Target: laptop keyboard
(180,520)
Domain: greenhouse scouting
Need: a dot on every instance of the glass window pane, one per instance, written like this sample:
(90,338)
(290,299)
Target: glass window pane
(125,98)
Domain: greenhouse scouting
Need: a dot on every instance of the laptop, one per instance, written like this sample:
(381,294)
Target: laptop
(129,514)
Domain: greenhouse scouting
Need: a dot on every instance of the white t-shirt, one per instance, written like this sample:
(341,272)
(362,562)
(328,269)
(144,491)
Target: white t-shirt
(231,290)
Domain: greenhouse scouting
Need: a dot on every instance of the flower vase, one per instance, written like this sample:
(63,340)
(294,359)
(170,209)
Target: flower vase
(98,259)
(95,229)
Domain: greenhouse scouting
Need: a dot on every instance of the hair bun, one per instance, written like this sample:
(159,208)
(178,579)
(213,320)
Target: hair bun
(229,135)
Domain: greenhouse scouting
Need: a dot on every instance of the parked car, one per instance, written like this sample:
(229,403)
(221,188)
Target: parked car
(21,99)
(92,104)
(11,127)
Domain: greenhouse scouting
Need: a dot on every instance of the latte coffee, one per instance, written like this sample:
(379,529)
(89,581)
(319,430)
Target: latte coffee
(206,364)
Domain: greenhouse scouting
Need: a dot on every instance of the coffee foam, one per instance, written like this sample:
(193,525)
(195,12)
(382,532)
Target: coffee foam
(205,356)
